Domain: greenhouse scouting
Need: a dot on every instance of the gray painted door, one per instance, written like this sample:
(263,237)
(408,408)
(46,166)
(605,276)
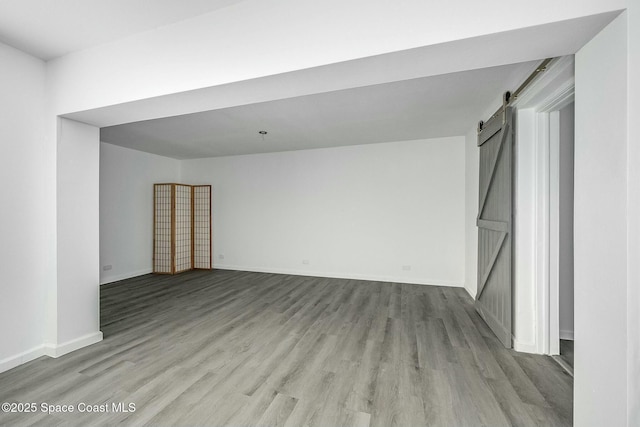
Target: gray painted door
(494,296)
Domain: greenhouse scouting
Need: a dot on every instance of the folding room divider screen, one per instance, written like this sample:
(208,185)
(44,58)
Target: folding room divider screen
(182,228)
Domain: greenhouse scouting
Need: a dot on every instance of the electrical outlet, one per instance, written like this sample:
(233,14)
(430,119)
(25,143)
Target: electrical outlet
(406,267)
(305,261)
(220,256)
(107,267)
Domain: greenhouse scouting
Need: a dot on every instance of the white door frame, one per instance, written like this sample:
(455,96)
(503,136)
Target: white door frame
(542,100)
(548,256)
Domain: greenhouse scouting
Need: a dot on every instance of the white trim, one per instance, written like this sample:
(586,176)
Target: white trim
(553,344)
(525,347)
(54,350)
(21,358)
(551,92)
(472,295)
(541,224)
(566,335)
(560,98)
(548,287)
(111,279)
(373,278)
(50,350)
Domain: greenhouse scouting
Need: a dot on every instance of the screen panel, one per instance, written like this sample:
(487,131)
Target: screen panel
(162,223)
(182,228)
(202,227)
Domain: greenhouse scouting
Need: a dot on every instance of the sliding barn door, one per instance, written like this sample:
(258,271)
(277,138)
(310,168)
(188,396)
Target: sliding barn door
(495,284)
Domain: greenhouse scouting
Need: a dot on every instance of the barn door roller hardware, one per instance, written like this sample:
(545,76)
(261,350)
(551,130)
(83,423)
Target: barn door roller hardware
(509,97)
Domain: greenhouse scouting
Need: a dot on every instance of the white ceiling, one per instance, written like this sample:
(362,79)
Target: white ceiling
(52,28)
(429,107)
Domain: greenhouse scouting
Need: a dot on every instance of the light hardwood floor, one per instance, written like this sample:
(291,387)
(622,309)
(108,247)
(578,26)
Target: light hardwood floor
(228,348)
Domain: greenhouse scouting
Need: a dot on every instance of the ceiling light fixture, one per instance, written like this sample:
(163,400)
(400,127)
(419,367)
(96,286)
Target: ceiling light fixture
(262,133)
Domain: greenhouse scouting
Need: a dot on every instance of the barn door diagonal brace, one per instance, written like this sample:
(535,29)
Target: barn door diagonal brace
(494,164)
(489,267)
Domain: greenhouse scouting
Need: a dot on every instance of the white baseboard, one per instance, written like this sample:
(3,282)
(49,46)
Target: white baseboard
(50,350)
(566,335)
(525,347)
(373,278)
(58,350)
(471,294)
(117,278)
(19,359)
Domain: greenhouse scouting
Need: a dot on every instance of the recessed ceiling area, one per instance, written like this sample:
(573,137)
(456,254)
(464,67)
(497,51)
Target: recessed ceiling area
(429,107)
(52,28)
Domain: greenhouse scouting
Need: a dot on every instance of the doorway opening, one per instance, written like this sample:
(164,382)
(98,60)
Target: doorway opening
(561,132)
(543,255)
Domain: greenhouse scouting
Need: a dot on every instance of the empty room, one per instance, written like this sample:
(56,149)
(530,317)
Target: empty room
(246,213)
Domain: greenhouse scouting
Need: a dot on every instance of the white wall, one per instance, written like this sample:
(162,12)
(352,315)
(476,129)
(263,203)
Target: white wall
(126,208)
(633,231)
(356,212)
(78,308)
(600,228)
(25,260)
(472,194)
(565,254)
